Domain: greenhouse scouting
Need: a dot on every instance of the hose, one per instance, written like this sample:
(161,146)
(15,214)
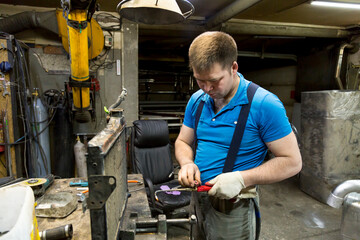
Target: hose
(121,98)
(30,19)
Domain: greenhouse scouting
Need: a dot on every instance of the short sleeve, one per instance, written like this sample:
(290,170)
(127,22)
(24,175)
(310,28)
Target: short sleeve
(274,124)
(191,107)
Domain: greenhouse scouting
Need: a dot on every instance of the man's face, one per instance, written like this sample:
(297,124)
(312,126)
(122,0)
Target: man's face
(217,82)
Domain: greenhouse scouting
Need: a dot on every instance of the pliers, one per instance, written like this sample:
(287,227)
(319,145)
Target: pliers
(201,188)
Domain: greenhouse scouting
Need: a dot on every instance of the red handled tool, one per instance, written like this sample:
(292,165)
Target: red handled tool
(201,188)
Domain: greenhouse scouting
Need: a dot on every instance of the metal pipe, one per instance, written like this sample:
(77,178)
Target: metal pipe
(337,196)
(63,232)
(229,12)
(119,100)
(28,20)
(151,222)
(338,67)
(191,219)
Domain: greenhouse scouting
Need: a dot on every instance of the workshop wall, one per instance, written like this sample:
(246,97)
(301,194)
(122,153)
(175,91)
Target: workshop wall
(280,81)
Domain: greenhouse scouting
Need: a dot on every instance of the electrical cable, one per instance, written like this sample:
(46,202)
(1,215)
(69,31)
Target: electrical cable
(22,100)
(33,137)
(16,84)
(104,65)
(109,17)
(24,85)
(21,85)
(3,165)
(3,174)
(37,141)
(10,51)
(24,127)
(117,27)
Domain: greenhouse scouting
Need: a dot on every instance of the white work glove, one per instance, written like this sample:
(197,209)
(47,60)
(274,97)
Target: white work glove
(227,185)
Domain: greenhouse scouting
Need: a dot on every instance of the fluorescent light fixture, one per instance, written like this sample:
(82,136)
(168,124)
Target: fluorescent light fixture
(336,4)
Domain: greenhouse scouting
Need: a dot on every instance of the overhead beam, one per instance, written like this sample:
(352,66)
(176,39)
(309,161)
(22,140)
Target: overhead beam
(251,27)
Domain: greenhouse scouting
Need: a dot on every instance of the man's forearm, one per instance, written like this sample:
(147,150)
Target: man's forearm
(274,170)
(286,164)
(183,153)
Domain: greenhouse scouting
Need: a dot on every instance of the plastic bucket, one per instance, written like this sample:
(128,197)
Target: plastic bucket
(17,213)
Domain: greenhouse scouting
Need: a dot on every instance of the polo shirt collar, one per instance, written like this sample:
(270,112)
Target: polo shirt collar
(240,97)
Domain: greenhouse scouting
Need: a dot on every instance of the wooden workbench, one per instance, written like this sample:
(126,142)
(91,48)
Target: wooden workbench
(80,221)
(137,202)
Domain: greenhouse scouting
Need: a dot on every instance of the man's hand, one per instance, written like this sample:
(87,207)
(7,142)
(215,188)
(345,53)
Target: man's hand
(227,185)
(188,174)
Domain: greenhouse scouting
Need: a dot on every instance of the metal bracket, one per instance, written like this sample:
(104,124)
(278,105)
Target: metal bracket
(100,189)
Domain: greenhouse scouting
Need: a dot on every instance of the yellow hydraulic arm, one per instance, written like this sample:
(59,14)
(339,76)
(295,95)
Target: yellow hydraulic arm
(79,59)
(82,46)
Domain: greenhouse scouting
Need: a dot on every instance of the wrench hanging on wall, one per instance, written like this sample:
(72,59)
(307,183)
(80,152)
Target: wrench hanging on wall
(6,141)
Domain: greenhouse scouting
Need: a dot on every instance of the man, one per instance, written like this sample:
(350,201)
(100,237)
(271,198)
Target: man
(228,210)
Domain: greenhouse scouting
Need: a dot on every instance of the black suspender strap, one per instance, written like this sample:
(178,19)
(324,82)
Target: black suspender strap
(235,144)
(197,118)
(239,130)
(198,114)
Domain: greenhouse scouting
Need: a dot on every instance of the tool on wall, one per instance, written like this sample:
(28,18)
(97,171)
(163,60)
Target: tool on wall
(6,138)
(2,79)
(5,67)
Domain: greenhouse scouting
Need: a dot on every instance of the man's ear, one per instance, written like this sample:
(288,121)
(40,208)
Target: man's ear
(234,68)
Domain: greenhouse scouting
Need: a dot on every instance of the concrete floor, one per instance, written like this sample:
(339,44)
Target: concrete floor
(288,214)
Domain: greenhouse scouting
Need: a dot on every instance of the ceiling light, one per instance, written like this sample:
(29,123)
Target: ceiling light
(159,12)
(336,4)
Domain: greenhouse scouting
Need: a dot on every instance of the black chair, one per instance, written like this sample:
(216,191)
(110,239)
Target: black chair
(152,158)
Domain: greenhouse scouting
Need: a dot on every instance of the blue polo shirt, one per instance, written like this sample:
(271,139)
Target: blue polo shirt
(267,122)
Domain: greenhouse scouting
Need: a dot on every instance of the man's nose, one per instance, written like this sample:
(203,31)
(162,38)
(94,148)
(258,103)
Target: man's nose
(207,87)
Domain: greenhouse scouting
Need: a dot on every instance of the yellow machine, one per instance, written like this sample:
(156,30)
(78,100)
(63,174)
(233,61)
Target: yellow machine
(83,38)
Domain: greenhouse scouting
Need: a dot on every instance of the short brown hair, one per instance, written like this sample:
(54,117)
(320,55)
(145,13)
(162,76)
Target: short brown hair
(212,47)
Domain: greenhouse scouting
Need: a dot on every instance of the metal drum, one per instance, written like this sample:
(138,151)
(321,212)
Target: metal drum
(330,135)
